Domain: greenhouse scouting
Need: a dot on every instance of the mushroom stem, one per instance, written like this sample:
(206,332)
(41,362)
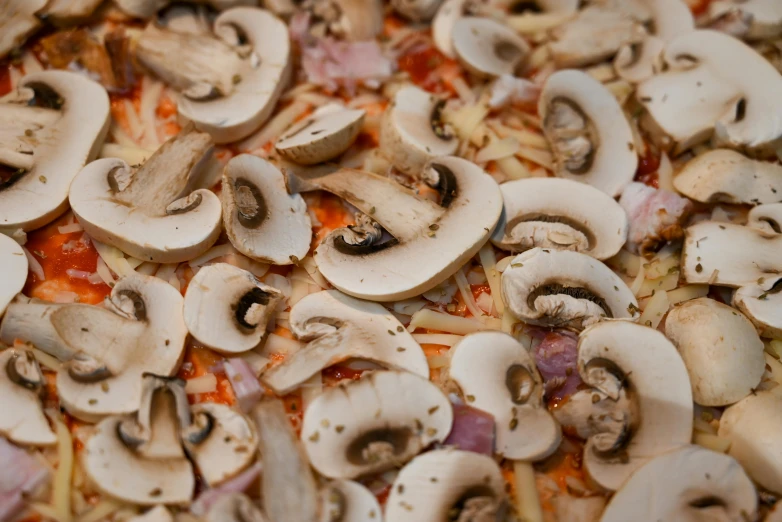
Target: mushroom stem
(18,127)
(24,321)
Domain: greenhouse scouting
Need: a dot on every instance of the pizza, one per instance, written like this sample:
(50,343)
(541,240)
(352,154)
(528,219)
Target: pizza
(415,261)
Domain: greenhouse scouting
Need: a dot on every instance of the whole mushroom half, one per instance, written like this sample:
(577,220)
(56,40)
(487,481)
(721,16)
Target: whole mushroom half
(498,376)
(119,204)
(321,137)
(230,80)
(562,288)
(49,129)
(762,304)
(337,328)
(639,404)
(404,244)
(560,214)
(765,16)
(487,48)
(721,349)
(21,387)
(348,501)
(13,266)
(589,135)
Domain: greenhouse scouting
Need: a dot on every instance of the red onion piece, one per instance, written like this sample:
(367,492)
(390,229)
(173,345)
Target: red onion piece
(556,357)
(20,475)
(238,484)
(473,430)
(246,387)
(331,63)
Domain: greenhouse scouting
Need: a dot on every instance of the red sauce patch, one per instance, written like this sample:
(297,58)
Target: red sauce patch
(5,79)
(202,361)
(648,165)
(429,69)
(334,374)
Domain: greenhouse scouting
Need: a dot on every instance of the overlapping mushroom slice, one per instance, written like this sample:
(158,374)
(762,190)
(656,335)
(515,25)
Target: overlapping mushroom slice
(13,267)
(323,136)
(416,10)
(49,130)
(766,218)
(690,483)
(70,11)
(261,219)
(18,21)
(639,404)
(499,376)
(158,513)
(567,289)
(119,204)
(428,241)
(348,501)
(486,47)
(560,214)
(143,458)
(230,81)
(21,387)
(234,507)
(448,484)
(148,8)
(337,328)
(589,135)
(762,304)
(765,16)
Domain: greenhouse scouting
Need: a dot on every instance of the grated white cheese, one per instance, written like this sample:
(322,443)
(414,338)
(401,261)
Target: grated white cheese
(61,488)
(441,339)
(114,258)
(441,322)
(486,255)
(655,309)
(206,383)
(686,293)
(466,291)
(70,228)
(497,149)
(213,253)
(527,499)
(34,265)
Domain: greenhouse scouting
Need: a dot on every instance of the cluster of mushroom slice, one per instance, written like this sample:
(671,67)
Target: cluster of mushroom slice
(326,134)
(21,388)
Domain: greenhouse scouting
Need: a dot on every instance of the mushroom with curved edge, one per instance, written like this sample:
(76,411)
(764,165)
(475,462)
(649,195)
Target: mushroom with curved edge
(336,328)
(229,82)
(48,142)
(488,48)
(234,507)
(428,241)
(751,426)
(639,404)
(348,501)
(70,11)
(499,376)
(589,135)
(13,266)
(562,288)
(156,514)
(18,21)
(765,16)
(721,349)
(227,308)
(321,137)
(561,214)
(762,304)
(448,484)
(21,387)
(449,12)
(355,20)
(148,8)
(690,483)
(261,219)
(766,218)
(412,131)
(724,175)
(416,10)
(119,204)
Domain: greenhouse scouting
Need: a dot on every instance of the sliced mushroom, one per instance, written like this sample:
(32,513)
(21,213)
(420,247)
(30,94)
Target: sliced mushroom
(448,484)
(670,18)
(568,289)
(47,139)
(428,241)
(322,137)
(449,12)
(588,132)
(412,131)
(762,304)
(13,266)
(148,8)
(499,376)
(348,501)
(488,48)
(775,515)
(119,205)
(416,10)
(560,214)
(18,21)
(765,16)
(721,349)
(355,20)
(70,11)
(766,218)
(639,404)
(691,483)
(336,328)
(28,320)
(21,386)
(234,507)
(156,514)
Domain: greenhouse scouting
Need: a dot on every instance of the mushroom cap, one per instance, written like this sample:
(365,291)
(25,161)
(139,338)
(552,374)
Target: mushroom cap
(336,328)
(156,514)
(487,48)
(640,61)
(563,288)
(360,20)
(690,483)
(671,18)
(21,385)
(13,266)
(148,8)
(18,23)
(766,218)
(348,501)
(70,11)
(416,10)
(443,25)
(766,16)
(28,320)
(261,219)
(321,137)
(500,374)
(560,214)
(234,507)
(435,483)
(63,141)
(762,304)
(721,349)
(572,101)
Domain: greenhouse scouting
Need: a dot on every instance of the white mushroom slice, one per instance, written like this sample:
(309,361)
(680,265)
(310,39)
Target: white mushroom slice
(336,328)
(412,131)
(447,484)
(148,8)
(70,11)
(775,515)
(449,12)
(588,132)
(48,144)
(765,16)
(356,20)
(119,205)
(322,138)
(500,374)
(559,214)
(416,10)
(28,320)
(766,218)
(18,22)
(234,507)
(721,349)
(261,219)
(348,501)
(762,304)
(562,288)
(727,176)
(21,386)
(691,483)
(488,48)
(156,514)
(640,61)
(13,266)
(227,308)
(670,18)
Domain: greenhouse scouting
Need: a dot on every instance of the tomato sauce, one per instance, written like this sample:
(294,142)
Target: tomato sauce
(430,69)
(5,79)
(648,165)
(202,361)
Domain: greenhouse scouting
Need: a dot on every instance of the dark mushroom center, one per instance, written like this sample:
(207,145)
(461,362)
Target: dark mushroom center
(477,504)
(139,307)
(22,369)
(9,176)
(365,237)
(525,6)
(552,218)
(443,180)
(335,505)
(438,125)
(45,96)
(507,51)
(571,134)
(379,446)
(577,292)
(519,383)
(87,369)
(251,208)
(617,427)
(253,298)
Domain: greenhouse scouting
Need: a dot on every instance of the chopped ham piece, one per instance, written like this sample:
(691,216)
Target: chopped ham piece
(333,64)
(473,430)
(655,215)
(21,476)
(556,357)
(508,89)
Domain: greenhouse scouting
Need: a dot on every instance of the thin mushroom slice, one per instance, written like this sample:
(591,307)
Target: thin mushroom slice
(560,214)
(562,288)
(337,328)
(374,424)
(21,387)
(765,16)
(227,308)
(766,218)
(70,11)
(639,404)
(499,376)
(488,48)
(322,137)
(590,137)
(156,514)
(448,484)
(762,304)
(690,483)
(13,266)
(416,10)
(18,22)
(234,507)
(348,501)
(148,8)
(428,241)
(46,140)
(449,12)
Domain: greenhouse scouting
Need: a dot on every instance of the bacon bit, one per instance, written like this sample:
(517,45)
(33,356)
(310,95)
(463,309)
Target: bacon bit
(556,357)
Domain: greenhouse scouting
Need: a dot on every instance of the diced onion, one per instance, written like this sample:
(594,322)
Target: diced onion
(69,229)
(61,489)
(35,266)
(206,383)
(662,266)
(467,119)
(432,320)
(665,283)
(685,293)
(441,339)
(497,149)
(712,442)
(486,255)
(527,500)
(626,262)
(244,382)
(635,288)
(655,309)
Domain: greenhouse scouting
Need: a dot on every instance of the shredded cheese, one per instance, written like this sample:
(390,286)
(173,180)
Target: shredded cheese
(513,168)
(665,283)
(655,309)
(712,442)
(44,359)
(213,253)
(686,293)
(102,509)
(46,510)
(103,271)
(537,156)
(524,137)
(299,285)
(148,268)
(626,262)
(441,339)
(151,91)
(497,149)
(206,383)
(635,288)
(436,362)
(61,489)
(464,289)
(35,266)
(453,324)
(527,500)
(114,258)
